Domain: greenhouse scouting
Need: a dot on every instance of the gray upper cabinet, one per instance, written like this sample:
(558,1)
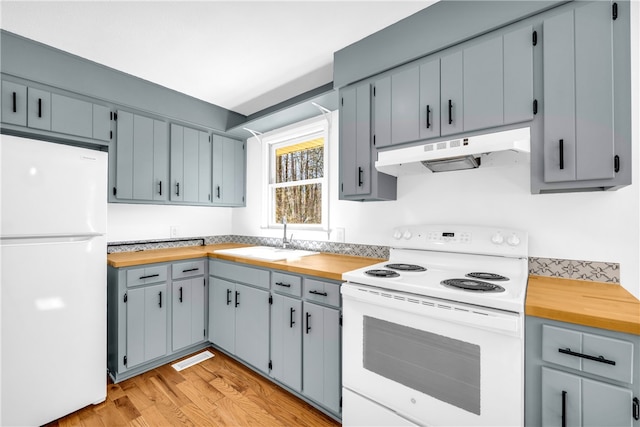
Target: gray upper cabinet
(451,107)
(39,109)
(229,157)
(160,161)
(580,81)
(382,112)
(177,163)
(71,116)
(518,75)
(430,99)
(190,165)
(405,105)
(359,179)
(14,103)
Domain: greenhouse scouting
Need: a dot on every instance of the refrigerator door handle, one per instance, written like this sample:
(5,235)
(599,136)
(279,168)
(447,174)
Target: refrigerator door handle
(57,238)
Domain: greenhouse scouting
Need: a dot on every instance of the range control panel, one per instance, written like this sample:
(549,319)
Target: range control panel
(469,239)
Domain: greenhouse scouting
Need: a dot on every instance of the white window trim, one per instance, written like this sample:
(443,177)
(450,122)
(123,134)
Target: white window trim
(292,134)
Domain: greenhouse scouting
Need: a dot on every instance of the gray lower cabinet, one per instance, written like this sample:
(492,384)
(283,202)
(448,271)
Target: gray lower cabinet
(580,376)
(229,158)
(156,313)
(286,341)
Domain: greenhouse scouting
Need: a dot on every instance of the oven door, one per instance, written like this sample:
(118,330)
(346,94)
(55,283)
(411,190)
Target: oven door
(432,361)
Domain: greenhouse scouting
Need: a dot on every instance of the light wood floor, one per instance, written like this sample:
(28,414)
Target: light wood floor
(216,392)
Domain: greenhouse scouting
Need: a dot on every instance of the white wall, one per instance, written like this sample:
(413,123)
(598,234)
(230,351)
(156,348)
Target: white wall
(127,222)
(594,226)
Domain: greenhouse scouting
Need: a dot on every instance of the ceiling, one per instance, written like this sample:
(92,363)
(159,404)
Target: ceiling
(244,56)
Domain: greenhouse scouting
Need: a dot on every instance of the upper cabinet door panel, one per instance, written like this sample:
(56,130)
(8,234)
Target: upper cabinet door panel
(594,91)
(204,168)
(39,109)
(518,76)
(191,143)
(177,163)
(451,107)
(363,140)
(14,103)
(217,167)
(71,116)
(124,156)
(348,134)
(382,112)
(160,161)
(239,173)
(482,85)
(101,123)
(559,98)
(142,158)
(430,99)
(405,105)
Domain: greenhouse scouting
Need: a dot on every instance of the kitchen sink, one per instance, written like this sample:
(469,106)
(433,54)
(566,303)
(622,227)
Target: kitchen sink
(266,253)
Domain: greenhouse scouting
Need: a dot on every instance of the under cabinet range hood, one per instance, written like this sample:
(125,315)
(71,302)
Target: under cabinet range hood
(499,148)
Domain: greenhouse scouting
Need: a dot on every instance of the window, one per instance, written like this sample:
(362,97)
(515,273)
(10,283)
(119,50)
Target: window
(297,185)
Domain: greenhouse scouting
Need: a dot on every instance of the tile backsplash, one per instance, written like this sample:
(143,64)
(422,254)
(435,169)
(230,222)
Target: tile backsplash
(608,272)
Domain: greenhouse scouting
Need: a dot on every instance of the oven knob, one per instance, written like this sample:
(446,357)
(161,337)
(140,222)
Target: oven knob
(497,238)
(513,240)
(397,235)
(407,235)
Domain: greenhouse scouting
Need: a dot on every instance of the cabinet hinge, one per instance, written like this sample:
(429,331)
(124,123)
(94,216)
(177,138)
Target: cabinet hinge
(209,197)
(110,134)
(616,163)
(636,409)
(374,139)
(115,116)
(341,401)
(341,101)
(535,107)
(243,198)
(342,186)
(204,282)
(534,38)
(125,298)
(340,320)
(110,115)
(204,332)
(115,191)
(124,360)
(374,91)
(270,300)
(614,11)
(270,365)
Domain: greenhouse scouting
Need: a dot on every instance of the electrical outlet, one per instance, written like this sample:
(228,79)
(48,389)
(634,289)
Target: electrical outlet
(173,231)
(340,234)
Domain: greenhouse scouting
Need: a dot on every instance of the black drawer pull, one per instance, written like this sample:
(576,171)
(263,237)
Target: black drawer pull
(228,296)
(291,321)
(237,299)
(308,325)
(600,359)
(286,285)
(636,409)
(190,269)
(180,298)
(450,112)
(564,408)
(15,109)
(360,172)
(160,299)
(428,120)
(149,276)
(324,294)
(160,189)
(561,148)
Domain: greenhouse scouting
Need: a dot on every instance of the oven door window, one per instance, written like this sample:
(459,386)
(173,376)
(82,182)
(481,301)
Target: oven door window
(444,368)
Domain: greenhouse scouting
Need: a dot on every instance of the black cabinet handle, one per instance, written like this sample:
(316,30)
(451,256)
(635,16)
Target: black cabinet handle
(160,188)
(564,408)
(286,285)
(190,269)
(561,148)
(237,299)
(616,164)
(228,296)
(600,359)
(636,409)
(308,316)
(39,107)
(324,294)
(160,299)
(218,192)
(149,276)
(450,112)
(177,189)
(180,298)
(15,108)
(291,321)
(428,119)
(360,172)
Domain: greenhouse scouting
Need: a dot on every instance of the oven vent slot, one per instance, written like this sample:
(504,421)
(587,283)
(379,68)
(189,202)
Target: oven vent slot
(446,307)
(478,312)
(412,300)
(430,304)
(386,295)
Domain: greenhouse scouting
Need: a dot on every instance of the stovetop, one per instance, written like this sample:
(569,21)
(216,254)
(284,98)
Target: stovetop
(457,258)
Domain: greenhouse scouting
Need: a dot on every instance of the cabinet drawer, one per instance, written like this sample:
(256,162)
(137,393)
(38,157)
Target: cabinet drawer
(608,349)
(286,284)
(187,269)
(323,292)
(554,339)
(146,275)
(239,273)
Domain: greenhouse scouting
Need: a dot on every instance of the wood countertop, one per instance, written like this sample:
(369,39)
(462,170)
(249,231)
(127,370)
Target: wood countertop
(600,305)
(325,265)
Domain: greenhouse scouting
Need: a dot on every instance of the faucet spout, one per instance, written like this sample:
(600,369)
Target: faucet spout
(285,242)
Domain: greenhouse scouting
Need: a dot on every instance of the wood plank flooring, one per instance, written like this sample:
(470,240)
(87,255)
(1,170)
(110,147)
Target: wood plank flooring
(216,392)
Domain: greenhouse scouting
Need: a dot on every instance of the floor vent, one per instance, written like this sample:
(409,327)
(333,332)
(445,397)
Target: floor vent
(193,360)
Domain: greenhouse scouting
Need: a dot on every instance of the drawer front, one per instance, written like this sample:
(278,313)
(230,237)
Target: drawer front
(146,275)
(553,339)
(609,349)
(239,273)
(187,269)
(322,292)
(286,284)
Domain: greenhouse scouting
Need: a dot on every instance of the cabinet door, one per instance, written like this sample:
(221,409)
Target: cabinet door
(363,140)
(228,171)
(518,76)
(348,133)
(14,104)
(405,105)
(39,109)
(321,355)
(160,161)
(605,405)
(451,109)
(204,168)
(142,158)
(190,169)
(239,173)
(181,305)
(286,341)
(155,320)
(430,99)
(561,399)
(217,155)
(124,156)
(252,326)
(382,112)
(222,315)
(482,84)
(135,306)
(71,116)
(177,163)
(198,310)
(101,123)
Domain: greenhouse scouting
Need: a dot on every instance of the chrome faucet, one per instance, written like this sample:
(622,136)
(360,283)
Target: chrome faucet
(285,242)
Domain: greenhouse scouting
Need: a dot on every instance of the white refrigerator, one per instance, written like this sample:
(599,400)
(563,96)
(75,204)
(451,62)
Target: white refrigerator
(53,203)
